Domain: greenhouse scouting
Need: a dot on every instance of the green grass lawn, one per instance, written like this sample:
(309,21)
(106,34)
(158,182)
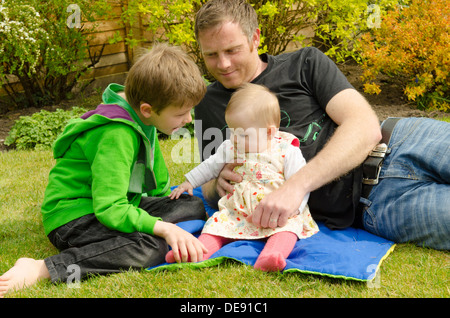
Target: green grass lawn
(409,271)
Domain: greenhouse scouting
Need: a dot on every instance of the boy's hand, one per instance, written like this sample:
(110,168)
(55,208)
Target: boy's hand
(185,186)
(185,246)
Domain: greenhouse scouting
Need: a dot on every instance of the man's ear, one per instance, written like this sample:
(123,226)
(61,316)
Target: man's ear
(256,38)
(146,110)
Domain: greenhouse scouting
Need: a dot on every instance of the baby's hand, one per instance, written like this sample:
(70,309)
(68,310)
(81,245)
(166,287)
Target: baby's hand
(185,186)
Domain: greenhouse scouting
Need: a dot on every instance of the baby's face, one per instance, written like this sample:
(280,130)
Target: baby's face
(248,136)
(250,139)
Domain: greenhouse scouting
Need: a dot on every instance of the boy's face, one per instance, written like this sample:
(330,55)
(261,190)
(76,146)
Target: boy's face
(170,119)
(228,55)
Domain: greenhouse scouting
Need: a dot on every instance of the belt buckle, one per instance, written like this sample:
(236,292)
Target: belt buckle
(379,151)
(372,181)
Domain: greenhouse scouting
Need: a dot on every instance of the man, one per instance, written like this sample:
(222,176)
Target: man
(337,129)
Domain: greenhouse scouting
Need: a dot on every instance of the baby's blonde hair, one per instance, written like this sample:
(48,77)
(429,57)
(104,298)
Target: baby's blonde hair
(164,76)
(257,103)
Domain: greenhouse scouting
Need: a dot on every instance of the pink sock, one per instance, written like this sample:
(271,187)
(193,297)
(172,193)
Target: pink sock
(274,254)
(212,242)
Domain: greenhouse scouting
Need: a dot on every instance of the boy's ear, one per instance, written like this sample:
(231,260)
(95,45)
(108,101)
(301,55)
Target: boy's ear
(146,110)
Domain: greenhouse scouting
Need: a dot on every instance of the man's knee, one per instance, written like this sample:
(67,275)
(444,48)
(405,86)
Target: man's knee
(440,236)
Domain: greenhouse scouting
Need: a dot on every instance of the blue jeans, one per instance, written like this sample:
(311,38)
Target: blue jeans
(411,203)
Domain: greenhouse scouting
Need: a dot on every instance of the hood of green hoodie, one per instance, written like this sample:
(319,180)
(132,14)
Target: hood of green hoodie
(111,96)
(114,108)
(75,127)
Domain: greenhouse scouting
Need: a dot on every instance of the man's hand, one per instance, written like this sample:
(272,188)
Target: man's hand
(277,207)
(358,132)
(227,175)
(184,245)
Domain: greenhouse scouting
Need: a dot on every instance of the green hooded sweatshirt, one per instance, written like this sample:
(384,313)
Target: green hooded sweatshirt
(105,162)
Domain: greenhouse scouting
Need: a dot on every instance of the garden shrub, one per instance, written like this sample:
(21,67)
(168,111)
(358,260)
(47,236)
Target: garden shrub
(412,47)
(21,38)
(280,23)
(45,48)
(40,130)
(173,21)
(339,23)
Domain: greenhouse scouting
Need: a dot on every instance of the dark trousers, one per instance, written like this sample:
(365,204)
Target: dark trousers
(88,247)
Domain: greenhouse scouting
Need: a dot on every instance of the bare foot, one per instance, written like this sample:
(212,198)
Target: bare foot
(24,273)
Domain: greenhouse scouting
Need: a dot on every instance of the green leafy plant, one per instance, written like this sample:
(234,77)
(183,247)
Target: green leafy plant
(341,22)
(412,47)
(280,21)
(171,21)
(45,46)
(21,27)
(41,129)
(336,24)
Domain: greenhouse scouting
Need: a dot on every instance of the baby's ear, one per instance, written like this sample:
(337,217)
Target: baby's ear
(146,110)
(271,131)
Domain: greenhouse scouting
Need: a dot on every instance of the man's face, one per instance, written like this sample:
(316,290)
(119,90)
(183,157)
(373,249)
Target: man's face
(228,55)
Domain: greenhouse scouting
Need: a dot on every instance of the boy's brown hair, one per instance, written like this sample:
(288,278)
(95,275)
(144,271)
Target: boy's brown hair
(256,102)
(164,76)
(215,12)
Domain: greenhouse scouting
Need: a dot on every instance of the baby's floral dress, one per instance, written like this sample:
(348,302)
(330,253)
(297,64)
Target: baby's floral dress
(262,173)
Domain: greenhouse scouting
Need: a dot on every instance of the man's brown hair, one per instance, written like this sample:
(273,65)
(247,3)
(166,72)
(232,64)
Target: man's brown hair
(164,76)
(216,12)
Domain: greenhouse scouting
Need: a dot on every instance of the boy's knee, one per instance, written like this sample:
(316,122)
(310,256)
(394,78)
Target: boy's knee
(193,207)
(185,208)
(152,251)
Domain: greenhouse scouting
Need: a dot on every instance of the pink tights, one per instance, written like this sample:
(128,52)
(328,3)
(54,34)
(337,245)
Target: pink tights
(272,257)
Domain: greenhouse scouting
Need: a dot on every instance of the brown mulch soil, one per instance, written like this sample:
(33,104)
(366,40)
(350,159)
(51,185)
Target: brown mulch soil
(389,103)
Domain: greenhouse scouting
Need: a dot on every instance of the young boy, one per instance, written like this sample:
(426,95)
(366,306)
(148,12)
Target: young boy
(106,207)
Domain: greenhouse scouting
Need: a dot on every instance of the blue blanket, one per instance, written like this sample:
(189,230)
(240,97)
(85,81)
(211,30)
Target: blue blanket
(349,254)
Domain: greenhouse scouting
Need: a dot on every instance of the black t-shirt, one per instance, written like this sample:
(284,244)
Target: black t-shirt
(304,82)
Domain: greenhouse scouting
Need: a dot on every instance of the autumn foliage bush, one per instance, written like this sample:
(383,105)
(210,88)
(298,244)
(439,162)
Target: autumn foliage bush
(412,46)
